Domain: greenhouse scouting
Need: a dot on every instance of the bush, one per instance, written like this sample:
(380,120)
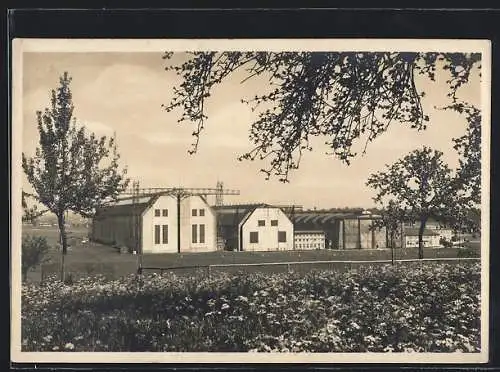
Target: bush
(412,307)
(34,249)
(468,252)
(445,243)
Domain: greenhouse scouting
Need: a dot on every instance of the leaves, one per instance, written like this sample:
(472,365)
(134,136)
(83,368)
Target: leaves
(71,170)
(431,307)
(346,97)
(34,249)
(420,183)
(418,187)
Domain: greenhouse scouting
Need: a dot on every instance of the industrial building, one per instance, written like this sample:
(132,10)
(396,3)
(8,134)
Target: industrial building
(436,227)
(174,220)
(430,238)
(342,230)
(254,227)
(160,223)
(309,239)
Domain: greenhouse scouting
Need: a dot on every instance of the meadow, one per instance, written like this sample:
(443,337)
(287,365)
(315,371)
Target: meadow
(90,258)
(431,307)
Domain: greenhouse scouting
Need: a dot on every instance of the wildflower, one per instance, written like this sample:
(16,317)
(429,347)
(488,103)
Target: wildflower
(55,348)
(225,307)
(69,346)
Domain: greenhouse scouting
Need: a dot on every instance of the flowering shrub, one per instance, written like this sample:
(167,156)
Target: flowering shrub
(431,307)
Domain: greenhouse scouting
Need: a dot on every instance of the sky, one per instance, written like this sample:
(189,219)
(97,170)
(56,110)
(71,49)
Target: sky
(122,92)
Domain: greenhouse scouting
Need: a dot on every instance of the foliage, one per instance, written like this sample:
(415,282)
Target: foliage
(469,149)
(69,170)
(420,186)
(30,214)
(468,252)
(343,96)
(392,218)
(445,243)
(432,307)
(34,249)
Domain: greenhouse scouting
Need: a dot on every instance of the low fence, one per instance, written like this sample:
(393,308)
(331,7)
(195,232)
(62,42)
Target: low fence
(292,266)
(117,270)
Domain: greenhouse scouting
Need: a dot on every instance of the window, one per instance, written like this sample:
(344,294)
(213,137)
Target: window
(202,212)
(164,213)
(254,237)
(202,233)
(157,213)
(157,234)
(281,236)
(274,222)
(194,233)
(194,212)
(261,223)
(165,234)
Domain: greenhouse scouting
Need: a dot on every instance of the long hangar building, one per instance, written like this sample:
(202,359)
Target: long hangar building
(165,224)
(338,230)
(157,224)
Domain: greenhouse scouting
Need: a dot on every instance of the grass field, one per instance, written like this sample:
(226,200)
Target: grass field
(85,259)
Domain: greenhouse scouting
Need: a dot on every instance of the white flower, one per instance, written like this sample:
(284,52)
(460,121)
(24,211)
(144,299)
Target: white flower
(69,346)
(355,325)
(225,307)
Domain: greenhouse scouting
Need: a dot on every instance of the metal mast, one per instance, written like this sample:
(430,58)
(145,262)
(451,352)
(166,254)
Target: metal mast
(219,201)
(136,224)
(178,192)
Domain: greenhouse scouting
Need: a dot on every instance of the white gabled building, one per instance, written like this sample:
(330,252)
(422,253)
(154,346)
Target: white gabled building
(198,225)
(157,224)
(254,227)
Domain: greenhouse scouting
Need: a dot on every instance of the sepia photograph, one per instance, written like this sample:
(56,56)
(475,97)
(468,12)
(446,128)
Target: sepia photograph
(205,200)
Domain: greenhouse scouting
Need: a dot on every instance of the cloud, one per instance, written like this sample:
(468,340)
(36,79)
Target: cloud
(96,127)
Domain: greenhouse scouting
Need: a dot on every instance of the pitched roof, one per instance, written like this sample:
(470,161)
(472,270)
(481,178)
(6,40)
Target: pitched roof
(309,231)
(320,219)
(125,207)
(232,215)
(230,207)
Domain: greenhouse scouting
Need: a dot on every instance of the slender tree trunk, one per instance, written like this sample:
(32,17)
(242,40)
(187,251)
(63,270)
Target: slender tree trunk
(392,247)
(64,242)
(421,238)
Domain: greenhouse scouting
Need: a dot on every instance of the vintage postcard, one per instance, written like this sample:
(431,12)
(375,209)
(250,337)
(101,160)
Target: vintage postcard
(187,201)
